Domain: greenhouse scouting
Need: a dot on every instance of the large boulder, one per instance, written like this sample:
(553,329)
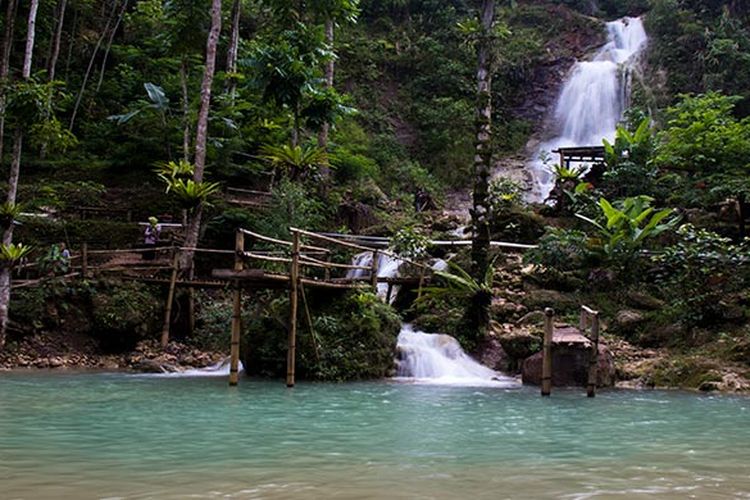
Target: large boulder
(570,362)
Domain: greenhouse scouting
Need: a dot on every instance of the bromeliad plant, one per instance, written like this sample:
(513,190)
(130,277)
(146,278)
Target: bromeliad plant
(12,253)
(294,161)
(178,179)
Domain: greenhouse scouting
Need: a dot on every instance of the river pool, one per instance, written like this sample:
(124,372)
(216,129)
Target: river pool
(84,435)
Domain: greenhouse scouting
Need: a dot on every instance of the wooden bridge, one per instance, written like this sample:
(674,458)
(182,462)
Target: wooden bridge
(308,260)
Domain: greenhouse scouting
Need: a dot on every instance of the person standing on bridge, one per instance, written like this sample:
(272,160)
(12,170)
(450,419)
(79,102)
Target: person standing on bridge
(151,238)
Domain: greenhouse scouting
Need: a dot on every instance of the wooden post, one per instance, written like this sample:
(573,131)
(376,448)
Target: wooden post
(582,322)
(389,293)
(594,359)
(170,298)
(293,298)
(549,327)
(234,361)
(421,283)
(327,270)
(374,270)
(84,259)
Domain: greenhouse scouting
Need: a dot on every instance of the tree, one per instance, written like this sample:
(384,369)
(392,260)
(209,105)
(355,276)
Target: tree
(333,12)
(15,170)
(480,212)
(201,134)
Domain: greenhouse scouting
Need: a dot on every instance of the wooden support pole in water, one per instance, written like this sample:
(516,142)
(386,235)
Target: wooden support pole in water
(594,359)
(293,298)
(84,259)
(234,360)
(374,270)
(549,328)
(170,298)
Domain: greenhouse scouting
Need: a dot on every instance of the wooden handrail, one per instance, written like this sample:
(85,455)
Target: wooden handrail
(354,246)
(281,242)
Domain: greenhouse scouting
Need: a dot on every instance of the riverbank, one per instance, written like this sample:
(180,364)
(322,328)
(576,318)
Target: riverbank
(55,351)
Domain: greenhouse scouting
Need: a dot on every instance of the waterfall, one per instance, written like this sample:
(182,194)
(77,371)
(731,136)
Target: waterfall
(438,359)
(388,267)
(593,99)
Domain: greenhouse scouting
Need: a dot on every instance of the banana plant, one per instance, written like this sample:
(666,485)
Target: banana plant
(627,228)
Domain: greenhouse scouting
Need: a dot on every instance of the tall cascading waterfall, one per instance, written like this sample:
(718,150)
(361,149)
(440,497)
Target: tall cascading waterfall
(593,99)
(428,358)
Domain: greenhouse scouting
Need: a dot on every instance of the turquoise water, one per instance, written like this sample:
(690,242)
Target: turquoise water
(124,436)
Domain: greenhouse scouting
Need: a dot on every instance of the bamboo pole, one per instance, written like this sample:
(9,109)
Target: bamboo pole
(239,247)
(294,282)
(594,358)
(170,298)
(84,259)
(374,271)
(549,327)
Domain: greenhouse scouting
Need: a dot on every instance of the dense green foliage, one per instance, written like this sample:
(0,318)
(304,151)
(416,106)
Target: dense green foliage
(351,337)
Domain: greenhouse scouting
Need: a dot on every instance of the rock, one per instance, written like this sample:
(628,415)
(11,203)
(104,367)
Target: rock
(644,301)
(532,318)
(42,363)
(570,362)
(732,382)
(55,362)
(502,309)
(540,299)
(148,366)
(521,344)
(492,354)
(627,321)
(709,386)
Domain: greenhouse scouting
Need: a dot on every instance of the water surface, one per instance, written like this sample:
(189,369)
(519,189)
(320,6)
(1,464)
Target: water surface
(124,436)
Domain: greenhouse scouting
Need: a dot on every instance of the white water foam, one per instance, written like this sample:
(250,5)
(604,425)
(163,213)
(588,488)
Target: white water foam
(220,369)
(438,359)
(593,99)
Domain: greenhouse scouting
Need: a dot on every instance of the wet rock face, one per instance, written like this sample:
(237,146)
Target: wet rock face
(570,366)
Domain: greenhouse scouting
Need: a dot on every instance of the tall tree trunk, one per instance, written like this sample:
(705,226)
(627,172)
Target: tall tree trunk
(201,129)
(10,17)
(480,212)
(185,109)
(112,34)
(89,68)
(329,73)
(54,54)
(56,38)
(233,48)
(15,170)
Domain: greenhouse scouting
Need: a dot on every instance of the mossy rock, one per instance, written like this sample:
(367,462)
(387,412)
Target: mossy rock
(691,372)
(517,225)
(542,298)
(521,344)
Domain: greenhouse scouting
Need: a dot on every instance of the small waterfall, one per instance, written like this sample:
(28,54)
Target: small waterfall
(220,369)
(438,359)
(388,267)
(593,99)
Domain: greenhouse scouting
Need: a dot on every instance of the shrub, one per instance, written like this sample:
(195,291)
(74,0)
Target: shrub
(701,270)
(124,313)
(353,337)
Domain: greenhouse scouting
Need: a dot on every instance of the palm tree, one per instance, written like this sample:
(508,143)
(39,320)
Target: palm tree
(294,161)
